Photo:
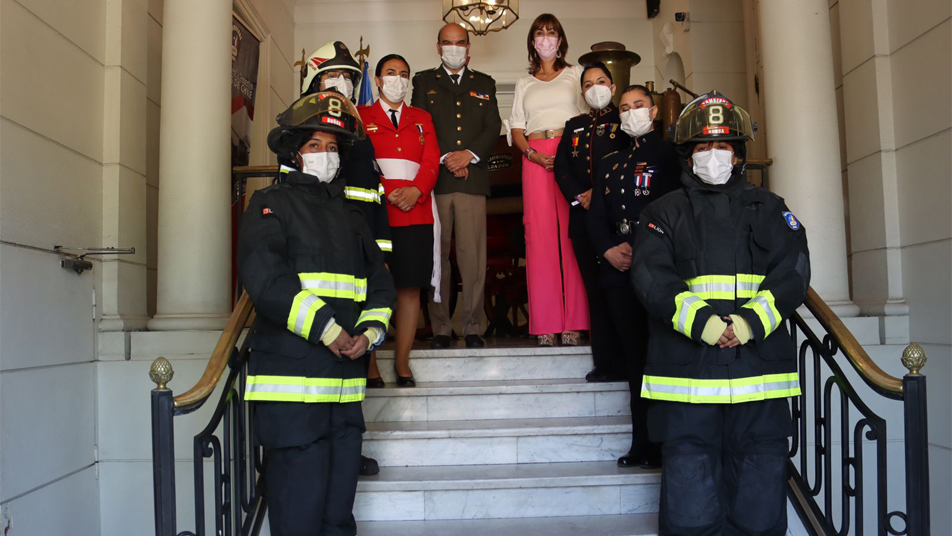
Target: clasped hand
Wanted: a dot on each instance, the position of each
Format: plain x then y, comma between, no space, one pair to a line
349,346
458,163
728,338
619,256
404,198
544,160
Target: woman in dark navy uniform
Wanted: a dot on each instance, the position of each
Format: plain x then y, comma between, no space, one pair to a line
585,140
625,182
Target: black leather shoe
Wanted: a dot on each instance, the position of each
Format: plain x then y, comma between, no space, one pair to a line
473,341
440,342
597,376
405,381
630,461
368,466
375,383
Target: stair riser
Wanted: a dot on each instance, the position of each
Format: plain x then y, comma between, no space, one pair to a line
497,450
496,406
506,503
531,367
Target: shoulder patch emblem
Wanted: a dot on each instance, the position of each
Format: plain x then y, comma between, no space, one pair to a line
266,211
792,222
656,229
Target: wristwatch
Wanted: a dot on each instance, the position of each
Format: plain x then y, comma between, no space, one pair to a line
528,151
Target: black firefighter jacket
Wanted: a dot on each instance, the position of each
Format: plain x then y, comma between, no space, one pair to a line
305,256
720,250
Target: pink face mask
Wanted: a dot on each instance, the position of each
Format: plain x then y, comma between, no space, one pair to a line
546,46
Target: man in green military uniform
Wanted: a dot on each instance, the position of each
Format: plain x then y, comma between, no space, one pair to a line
463,105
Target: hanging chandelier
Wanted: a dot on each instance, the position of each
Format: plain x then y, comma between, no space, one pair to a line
481,17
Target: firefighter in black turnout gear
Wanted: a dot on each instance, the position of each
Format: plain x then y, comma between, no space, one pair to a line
625,182
585,140
720,265
323,299
333,68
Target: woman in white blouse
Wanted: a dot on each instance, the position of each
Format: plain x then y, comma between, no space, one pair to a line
543,102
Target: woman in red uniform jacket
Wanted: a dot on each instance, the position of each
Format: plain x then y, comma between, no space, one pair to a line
409,157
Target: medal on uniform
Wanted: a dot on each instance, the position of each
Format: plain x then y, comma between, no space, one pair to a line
419,127
614,128
575,146
637,191
600,130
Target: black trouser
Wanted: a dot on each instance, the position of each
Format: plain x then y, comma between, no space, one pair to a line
629,317
606,353
310,488
724,467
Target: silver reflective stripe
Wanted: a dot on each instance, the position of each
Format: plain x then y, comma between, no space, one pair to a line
712,287
765,387
685,311
768,310
353,390
293,389
748,286
688,390
303,313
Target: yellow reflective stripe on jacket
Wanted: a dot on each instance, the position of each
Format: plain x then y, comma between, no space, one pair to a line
380,315
381,191
763,304
385,245
748,285
303,389
303,309
330,285
712,287
687,305
361,194
733,391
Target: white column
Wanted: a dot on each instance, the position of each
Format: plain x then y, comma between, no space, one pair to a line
194,255
803,135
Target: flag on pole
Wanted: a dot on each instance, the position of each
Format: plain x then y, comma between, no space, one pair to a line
366,96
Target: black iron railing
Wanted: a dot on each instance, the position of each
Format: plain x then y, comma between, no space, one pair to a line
840,482
227,441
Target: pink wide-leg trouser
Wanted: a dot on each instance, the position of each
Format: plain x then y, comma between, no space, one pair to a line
557,300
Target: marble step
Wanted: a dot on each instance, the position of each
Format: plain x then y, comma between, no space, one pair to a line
616,525
503,399
492,442
506,491
492,363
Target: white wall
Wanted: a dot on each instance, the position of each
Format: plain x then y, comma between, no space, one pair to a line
53,59
409,28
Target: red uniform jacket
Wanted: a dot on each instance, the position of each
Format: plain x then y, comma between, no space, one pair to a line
398,152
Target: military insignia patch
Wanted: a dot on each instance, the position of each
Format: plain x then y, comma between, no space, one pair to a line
792,222
371,127
656,229
481,96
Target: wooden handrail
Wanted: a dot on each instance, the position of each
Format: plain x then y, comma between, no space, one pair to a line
851,348
242,316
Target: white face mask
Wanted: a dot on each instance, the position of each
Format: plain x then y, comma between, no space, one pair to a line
713,166
547,46
453,56
636,121
342,84
395,88
598,96
324,165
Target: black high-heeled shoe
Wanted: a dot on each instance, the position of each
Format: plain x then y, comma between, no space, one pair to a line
375,383
405,381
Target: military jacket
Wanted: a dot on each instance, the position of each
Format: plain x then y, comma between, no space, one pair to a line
625,182
707,250
586,139
306,256
466,116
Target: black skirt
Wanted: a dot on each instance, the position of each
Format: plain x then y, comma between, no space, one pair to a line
411,262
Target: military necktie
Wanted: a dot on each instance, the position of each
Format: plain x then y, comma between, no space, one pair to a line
393,118
455,78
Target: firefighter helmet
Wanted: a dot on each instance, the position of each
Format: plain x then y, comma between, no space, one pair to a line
326,111
334,55
712,117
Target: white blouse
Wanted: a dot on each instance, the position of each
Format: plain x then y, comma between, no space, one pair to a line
539,105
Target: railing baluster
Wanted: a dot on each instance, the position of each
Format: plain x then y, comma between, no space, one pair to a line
163,448
917,443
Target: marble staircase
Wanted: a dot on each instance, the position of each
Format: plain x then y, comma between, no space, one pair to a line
502,440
